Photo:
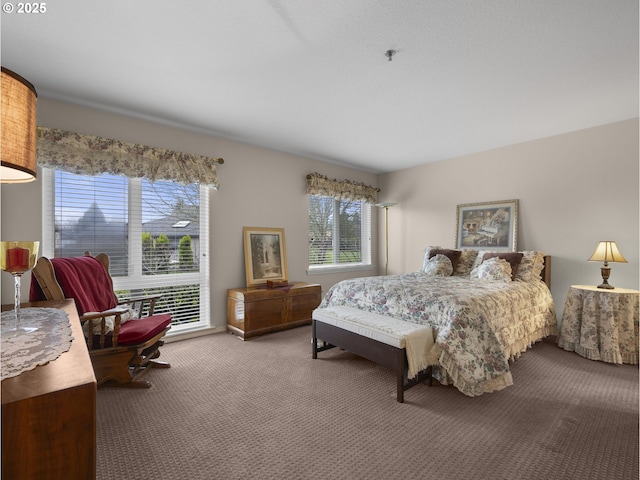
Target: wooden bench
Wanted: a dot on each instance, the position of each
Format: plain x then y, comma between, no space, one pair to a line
368,335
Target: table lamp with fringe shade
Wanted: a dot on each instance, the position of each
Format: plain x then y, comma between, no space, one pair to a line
606,251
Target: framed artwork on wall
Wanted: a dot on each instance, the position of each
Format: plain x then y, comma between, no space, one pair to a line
265,255
488,225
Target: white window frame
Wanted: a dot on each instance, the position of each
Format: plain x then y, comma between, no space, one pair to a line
365,245
135,279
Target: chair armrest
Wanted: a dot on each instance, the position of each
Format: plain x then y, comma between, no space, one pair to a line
138,303
108,313
91,317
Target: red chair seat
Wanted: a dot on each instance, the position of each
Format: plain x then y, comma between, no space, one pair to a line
134,332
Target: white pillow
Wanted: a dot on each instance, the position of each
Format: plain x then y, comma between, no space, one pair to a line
438,266
493,269
425,258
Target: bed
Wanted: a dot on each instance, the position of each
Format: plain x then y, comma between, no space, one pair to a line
485,309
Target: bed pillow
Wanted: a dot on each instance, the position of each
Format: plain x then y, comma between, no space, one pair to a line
453,255
439,266
494,269
531,266
466,263
480,257
427,255
514,258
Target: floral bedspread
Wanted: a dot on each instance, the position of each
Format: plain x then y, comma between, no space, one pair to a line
480,324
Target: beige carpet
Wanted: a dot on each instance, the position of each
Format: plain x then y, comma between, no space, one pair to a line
263,409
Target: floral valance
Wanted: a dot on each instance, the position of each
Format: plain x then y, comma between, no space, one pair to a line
341,189
90,155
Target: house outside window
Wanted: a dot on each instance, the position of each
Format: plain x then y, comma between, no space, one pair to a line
155,233
339,234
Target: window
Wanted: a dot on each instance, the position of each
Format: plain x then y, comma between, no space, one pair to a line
155,233
339,233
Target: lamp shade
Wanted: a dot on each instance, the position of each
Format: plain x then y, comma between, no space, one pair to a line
607,251
18,148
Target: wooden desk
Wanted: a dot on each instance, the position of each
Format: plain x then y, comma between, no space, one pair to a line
49,414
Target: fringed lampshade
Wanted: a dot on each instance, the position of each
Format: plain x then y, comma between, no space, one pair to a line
18,148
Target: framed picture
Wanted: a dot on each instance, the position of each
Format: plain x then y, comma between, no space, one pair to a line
488,226
265,255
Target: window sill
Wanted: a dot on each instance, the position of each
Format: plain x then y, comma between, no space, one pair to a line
329,269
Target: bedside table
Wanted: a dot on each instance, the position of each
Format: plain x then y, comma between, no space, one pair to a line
254,311
601,324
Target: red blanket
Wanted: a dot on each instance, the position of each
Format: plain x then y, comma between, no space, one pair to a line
85,280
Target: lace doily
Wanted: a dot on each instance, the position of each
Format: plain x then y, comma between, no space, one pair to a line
25,351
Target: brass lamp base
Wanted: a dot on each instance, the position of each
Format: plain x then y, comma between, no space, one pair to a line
605,271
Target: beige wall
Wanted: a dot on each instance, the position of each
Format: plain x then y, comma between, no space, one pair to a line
573,189
259,187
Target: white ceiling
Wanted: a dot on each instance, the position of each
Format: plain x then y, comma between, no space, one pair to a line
311,77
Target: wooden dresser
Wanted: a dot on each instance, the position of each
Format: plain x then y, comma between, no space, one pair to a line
49,414
254,311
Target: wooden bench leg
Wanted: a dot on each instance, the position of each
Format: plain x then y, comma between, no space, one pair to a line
400,394
314,341
422,376
401,360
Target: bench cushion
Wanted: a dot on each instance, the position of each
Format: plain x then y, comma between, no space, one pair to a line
416,339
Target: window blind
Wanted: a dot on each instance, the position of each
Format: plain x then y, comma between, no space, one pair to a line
339,232
155,233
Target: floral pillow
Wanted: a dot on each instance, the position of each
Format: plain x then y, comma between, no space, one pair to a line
427,256
514,259
531,266
494,269
466,263
439,266
459,258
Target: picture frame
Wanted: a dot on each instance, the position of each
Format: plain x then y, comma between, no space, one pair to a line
488,226
265,255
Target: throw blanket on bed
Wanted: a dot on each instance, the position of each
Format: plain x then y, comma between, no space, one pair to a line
480,325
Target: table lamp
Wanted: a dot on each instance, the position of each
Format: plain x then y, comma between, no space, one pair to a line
607,251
